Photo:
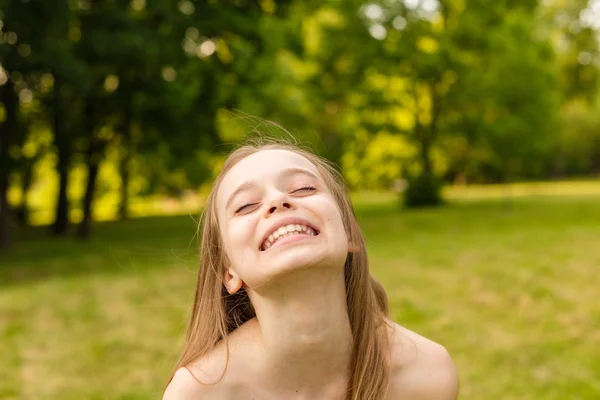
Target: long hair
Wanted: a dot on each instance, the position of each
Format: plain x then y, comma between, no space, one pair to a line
216,313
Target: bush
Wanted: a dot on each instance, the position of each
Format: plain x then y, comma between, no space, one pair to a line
423,190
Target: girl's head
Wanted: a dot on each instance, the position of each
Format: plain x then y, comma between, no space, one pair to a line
260,198
263,186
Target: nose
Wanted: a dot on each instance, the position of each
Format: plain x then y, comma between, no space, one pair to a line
283,206
278,203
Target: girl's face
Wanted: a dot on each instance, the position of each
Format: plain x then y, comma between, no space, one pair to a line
276,215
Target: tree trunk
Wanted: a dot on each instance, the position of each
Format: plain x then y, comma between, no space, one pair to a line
460,179
425,152
430,132
60,226
86,224
5,237
23,211
425,189
124,165
93,156
124,204
595,161
7,132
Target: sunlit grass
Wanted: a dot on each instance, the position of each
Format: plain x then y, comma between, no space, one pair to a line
509,287
524,189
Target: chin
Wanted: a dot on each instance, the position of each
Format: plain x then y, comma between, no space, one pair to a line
290,261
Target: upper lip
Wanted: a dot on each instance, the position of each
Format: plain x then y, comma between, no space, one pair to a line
283,222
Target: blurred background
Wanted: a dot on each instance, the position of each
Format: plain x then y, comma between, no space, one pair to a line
115,117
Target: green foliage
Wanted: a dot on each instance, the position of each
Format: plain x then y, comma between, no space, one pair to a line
520,121
377,163
460,90
578,147
573,28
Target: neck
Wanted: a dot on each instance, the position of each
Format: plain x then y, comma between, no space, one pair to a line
305,330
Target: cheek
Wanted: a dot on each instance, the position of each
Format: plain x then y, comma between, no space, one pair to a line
240,247
240,236
333,216
332,219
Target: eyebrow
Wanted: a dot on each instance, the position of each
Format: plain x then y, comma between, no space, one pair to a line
286,172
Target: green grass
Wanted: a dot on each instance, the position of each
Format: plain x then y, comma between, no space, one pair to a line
510,288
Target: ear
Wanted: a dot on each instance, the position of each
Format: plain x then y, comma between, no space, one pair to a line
353,247
232,282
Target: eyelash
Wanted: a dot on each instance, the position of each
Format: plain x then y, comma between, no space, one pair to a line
304,188
311,188
244,206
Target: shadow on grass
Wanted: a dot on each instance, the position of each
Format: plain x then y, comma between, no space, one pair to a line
115,247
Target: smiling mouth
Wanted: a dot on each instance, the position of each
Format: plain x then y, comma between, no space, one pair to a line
287,231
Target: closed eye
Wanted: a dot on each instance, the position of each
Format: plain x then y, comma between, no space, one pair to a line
306,188
303,188
245,206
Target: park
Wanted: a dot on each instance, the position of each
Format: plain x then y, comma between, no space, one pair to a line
468,135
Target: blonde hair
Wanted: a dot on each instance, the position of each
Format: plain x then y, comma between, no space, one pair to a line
216,313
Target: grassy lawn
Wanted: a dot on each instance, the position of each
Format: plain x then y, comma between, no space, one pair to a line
510,288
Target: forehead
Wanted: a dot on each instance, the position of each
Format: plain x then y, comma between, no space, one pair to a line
262,165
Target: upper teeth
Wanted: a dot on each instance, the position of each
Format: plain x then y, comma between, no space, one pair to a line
285,231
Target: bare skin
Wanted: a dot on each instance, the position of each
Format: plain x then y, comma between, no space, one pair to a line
421,369
299,344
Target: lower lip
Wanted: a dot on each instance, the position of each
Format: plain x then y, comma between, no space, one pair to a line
290,239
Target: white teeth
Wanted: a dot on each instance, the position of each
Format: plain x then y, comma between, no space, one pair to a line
285,231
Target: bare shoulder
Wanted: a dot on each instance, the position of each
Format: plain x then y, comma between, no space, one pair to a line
215,375
184,386
421,368
201,379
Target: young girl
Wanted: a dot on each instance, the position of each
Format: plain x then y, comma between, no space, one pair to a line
285,307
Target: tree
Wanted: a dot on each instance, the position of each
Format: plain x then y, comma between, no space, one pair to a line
21,65
437,70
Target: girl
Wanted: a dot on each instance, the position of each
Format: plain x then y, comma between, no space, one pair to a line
285,307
